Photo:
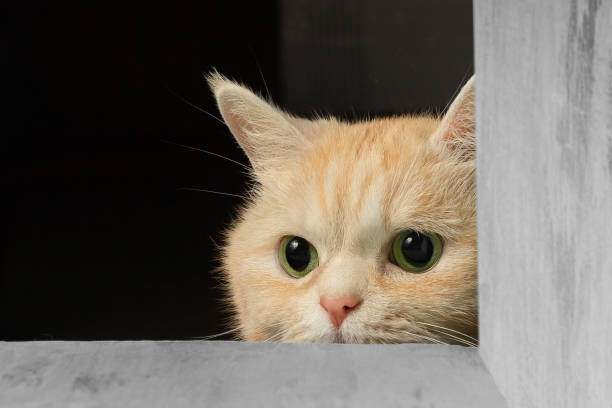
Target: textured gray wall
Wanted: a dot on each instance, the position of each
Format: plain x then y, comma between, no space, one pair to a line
544,127
229,374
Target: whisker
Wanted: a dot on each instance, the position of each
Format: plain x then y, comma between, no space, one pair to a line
461,83
260,72
425,337
193,105
275,324
201,190
459,339
454,331
197,149
281,329
212,336
276,336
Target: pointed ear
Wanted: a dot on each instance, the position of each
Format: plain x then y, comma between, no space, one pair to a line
456,131
264,132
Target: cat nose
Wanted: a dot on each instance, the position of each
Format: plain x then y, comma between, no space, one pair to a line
339,308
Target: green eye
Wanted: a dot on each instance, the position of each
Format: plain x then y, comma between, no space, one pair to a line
415,251
297,256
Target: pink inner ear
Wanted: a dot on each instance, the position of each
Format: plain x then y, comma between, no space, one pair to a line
457,128
456,131
461,123
238,126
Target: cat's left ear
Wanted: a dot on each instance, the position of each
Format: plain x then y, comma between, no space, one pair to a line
456,131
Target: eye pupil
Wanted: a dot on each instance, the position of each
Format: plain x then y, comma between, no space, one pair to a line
417,248
297,256
297,253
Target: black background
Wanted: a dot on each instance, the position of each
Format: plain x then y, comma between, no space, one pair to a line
98,242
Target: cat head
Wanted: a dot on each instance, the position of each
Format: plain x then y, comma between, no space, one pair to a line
353,232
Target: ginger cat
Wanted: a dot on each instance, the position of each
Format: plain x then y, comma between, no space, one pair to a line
353,232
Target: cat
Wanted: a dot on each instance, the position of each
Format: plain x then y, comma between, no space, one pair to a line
358,232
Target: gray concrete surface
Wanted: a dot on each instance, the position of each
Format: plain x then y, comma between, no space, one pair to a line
544,131
232,374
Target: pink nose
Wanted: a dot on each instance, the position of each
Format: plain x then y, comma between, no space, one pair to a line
339,308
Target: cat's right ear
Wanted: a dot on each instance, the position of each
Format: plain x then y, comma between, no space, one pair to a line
456,131
263,131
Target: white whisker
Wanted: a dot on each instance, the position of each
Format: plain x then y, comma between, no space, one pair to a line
193,105
275,336
425,337
451,330
197,149
201,190
260,72
454,95
212,336
459,339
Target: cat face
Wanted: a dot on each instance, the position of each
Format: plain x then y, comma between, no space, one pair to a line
361,232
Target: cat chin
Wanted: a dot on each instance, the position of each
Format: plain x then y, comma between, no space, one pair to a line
343,337
333,336
338,338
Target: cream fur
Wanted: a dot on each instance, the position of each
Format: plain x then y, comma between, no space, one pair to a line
349,188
